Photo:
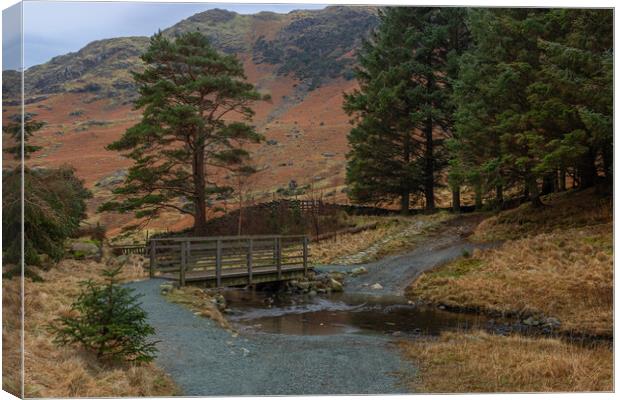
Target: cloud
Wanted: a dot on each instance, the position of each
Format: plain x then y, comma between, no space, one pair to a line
11,37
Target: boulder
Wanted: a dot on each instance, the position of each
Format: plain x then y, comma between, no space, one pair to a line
303,285
46,261
165,288
552,322
359,271
122,259
376,286
85,250
219,301
531,321
335,286
339,276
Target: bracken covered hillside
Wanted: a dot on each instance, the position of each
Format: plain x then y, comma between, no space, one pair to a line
303,60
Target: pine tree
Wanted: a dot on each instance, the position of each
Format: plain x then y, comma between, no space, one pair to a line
498,138
14,130
107,319
574,97
195,101
536,90
403,105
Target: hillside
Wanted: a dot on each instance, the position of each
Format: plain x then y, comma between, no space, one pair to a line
302,59
309,45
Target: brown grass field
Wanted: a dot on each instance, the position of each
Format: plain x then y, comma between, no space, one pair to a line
52,371
557,261
565,272
478,362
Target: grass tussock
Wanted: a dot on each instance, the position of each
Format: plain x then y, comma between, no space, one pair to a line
199,302
479,362
566,210
52,371
566,273
392,235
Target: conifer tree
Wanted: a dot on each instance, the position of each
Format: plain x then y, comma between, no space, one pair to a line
14,130
535,90
195,104
498,138
402,110
574,98
107,319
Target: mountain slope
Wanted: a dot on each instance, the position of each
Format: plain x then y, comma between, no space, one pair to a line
315,45
303,59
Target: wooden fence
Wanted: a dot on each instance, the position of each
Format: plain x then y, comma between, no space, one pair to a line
220,258
129,249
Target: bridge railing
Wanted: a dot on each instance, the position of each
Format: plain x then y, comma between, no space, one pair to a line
243,255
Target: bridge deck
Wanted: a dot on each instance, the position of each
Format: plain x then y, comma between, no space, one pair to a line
239,276
229,261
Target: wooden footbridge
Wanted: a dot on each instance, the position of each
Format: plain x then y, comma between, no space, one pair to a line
229,260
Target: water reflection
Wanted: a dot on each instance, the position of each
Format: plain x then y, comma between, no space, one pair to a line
340,313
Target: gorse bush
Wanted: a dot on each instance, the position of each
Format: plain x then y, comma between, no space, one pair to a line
107,319
54,205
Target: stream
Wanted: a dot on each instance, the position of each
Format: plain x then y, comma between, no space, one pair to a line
337,313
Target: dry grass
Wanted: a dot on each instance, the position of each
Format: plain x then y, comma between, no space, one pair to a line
199,302
392,235
52,371
566,273
562,211
326,251
479,362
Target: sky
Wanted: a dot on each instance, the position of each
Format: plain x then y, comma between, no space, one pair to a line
53,28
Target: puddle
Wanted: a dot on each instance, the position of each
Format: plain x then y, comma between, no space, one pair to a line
340,313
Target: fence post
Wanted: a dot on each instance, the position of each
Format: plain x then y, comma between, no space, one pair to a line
152,260
279,256
183,264
218,263
250,261
188,248
305,251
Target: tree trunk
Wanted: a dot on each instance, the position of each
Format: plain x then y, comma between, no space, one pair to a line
429,170
499,196
478,193
548,184
456,199
200,201
588,171
562,180
608,161
429,173
404,197
404,202
534,192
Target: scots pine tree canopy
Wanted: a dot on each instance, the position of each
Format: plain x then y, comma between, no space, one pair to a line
196,106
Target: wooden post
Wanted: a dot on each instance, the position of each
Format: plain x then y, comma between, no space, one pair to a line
279,256
250,261
183,265
188,247
152,260
218,263
305,251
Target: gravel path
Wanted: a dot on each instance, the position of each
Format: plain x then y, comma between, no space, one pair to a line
395,273
206,360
